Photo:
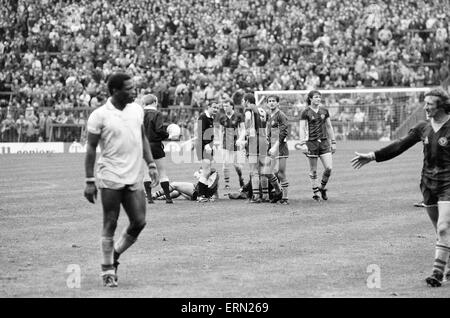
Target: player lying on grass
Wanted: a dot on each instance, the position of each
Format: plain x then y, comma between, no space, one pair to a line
435,183
189,190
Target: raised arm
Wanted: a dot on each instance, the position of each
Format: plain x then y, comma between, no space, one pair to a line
390,151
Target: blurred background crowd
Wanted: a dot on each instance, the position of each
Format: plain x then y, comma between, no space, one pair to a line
55,55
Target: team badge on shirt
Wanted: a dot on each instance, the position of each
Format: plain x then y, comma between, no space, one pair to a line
443,141
322,116
425,141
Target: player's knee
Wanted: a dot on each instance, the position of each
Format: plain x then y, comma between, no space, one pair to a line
443,231
327,171
110,223
136,227
313,174
281,175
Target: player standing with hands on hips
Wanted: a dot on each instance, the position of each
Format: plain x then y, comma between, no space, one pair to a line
435,183
118,127
317,141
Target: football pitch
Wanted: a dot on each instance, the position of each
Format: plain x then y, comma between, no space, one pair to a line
367,240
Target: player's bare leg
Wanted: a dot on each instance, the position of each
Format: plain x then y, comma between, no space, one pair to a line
134,206
327,162
442,245
313,177
238,169
111,207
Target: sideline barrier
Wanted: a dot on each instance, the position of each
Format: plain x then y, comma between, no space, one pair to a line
31,147
7,148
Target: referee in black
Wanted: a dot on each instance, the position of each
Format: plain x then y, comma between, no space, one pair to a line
155,132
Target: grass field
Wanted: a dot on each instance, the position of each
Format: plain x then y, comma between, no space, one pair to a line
226,248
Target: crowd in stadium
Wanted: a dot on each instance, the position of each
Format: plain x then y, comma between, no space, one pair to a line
55,55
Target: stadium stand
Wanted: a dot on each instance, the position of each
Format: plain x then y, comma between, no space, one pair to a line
55,55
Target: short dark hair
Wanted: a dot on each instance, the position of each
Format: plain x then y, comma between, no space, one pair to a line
116,80
276,97
249,97
228,100
311,95
444,99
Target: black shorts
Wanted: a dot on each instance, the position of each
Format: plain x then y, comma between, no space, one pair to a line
283,151
202,154
433,192
157,149
316,148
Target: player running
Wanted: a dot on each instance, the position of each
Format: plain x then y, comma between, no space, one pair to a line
316,134
435,183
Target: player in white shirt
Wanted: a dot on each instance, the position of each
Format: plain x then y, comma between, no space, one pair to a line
117,127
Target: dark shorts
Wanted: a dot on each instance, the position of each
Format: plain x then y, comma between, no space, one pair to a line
157,149
201,153
283,151
433,192
194,195
316,148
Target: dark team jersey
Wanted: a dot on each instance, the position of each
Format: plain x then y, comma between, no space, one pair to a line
153,126
277,128
230,129
316,122
256,132
205,130
436,150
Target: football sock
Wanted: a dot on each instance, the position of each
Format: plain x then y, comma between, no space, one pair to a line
264,187
313,179
158,194
325,177
148,188
316,191
441,257
274,182
255,186
124,242
107,250
285,186
226,175
166,188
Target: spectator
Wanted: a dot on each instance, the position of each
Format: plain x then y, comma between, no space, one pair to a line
358,119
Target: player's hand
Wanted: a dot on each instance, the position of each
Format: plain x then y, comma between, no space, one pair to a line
240,143
362,159
208,149
272,152
304,149
90,192
154,176
333,148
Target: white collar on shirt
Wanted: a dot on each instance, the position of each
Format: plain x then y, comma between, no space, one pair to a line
146,107
232,113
